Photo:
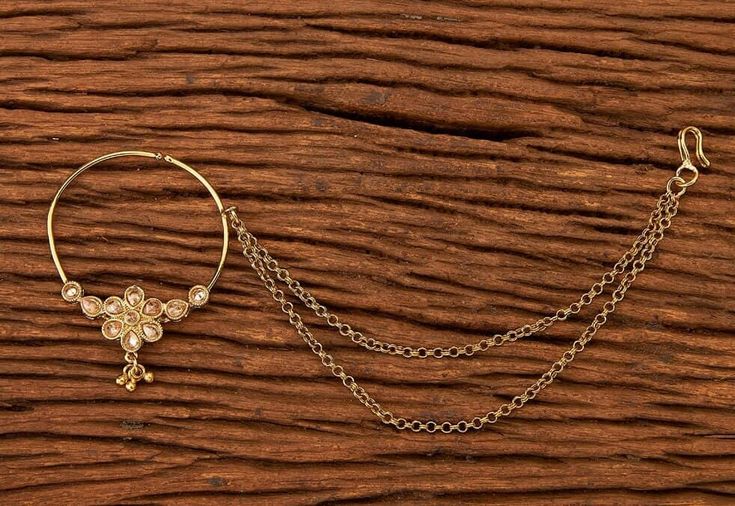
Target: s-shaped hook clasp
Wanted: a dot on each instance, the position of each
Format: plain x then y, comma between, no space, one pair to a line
686,159
684,151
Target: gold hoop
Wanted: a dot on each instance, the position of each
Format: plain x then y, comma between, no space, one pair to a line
134,319
144,154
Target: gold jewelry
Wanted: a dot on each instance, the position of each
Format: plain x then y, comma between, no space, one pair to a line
626,269
134,319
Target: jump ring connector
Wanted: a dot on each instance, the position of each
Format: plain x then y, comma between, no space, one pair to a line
679,182
230,210
693,170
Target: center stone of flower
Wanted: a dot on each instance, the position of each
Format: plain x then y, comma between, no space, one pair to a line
131,317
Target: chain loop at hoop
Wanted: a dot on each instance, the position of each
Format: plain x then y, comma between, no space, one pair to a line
143,154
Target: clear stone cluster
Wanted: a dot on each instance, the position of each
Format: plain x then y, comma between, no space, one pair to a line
133,319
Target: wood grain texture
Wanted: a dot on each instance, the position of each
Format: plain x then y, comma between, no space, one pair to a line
434,172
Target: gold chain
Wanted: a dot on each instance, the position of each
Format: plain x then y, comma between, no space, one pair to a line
458,350
629,266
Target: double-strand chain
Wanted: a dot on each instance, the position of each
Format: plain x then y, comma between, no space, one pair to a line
627,268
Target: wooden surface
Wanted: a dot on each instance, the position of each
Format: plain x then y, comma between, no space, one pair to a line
434,172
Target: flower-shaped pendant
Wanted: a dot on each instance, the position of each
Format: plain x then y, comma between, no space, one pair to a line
133,320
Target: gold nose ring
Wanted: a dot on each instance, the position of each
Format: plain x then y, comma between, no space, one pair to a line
134,319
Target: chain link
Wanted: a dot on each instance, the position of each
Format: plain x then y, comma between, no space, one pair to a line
633,261
455,351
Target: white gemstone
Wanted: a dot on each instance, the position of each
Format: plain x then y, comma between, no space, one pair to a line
151,332
134,295
113,305
111,329
176,309
130,341
91,306
71,291
152,307
131,317
198,295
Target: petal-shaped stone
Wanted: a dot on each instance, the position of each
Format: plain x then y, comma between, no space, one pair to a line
111,329
131,318
114,306
91,306
198,295
134,295
153,308
176,309
152,331
71,291
131,342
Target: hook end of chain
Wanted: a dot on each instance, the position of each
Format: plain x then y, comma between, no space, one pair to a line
699,147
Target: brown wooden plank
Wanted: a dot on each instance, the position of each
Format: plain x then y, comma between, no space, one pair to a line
435,172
